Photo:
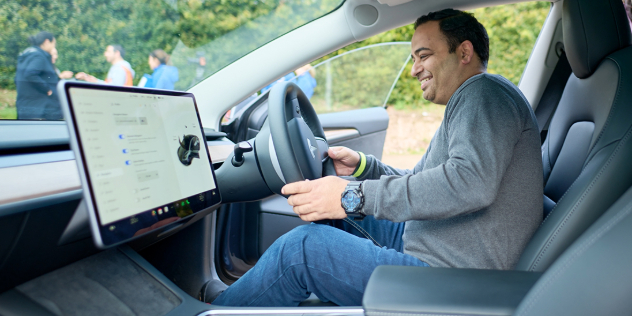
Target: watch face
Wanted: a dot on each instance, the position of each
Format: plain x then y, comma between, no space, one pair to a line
350,201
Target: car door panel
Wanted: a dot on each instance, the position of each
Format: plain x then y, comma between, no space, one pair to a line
362,130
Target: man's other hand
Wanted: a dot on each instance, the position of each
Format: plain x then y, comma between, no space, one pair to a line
86,77
345,160
317,199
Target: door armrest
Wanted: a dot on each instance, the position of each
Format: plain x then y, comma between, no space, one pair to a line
425,290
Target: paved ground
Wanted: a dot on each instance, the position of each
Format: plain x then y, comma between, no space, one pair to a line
409,133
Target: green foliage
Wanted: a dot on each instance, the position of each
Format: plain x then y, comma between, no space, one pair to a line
82,32
512,30
222,30
223,37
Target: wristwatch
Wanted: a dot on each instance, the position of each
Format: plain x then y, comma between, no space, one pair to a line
352,200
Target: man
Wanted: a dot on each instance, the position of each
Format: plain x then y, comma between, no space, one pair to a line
473,201
120,73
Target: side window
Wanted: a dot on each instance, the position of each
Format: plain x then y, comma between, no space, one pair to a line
512,31
356,79
351,79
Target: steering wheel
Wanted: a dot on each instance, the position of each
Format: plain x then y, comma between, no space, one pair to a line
292,145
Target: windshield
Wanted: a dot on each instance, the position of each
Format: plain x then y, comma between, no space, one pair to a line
167,44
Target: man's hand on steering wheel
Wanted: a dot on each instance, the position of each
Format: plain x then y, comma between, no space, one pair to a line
345,160
317,199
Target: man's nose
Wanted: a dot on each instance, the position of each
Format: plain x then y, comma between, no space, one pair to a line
416,69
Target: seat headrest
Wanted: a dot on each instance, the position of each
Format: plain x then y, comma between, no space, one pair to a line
593,29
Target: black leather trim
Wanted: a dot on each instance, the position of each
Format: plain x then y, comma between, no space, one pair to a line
593,29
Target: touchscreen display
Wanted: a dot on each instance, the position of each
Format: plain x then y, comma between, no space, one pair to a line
144,154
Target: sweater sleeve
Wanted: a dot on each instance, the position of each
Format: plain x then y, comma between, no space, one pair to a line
375,168
482,129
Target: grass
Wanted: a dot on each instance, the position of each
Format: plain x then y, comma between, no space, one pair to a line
7,104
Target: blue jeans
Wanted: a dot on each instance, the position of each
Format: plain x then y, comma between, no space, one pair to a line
331,262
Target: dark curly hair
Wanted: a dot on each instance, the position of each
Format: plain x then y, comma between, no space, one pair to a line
459,26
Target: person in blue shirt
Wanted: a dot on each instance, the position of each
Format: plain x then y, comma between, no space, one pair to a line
304,79
164,76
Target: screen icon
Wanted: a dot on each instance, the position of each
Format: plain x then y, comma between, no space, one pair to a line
166,209
159,211
153,213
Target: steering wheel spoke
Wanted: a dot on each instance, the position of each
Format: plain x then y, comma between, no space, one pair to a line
323,148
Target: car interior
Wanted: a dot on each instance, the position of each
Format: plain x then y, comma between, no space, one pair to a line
575,263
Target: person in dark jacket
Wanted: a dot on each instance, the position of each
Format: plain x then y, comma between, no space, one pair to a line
36,79
164,76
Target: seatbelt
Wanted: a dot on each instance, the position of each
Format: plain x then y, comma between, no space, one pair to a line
552,94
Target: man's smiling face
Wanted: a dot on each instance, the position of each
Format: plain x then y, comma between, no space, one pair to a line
434,66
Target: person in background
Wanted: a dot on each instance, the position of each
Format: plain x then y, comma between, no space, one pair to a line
66,74
304,80
164,76
36,79
200,67
120,73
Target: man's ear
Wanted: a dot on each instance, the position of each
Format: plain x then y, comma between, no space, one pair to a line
465,52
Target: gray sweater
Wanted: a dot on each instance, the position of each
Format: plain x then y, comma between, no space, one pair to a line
475,198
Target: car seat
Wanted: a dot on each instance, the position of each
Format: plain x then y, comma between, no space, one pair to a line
588,148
